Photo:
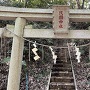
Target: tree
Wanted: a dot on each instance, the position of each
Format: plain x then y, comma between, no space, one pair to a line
33,3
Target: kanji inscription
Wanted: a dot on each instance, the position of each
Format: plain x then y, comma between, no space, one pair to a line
60,19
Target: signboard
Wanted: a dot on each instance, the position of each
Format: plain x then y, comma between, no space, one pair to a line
60,19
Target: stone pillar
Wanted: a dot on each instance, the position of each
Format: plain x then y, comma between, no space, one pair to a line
16,55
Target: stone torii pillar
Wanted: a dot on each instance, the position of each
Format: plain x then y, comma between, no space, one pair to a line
16,55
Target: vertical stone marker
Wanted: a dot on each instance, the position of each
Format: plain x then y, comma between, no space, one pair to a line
60,19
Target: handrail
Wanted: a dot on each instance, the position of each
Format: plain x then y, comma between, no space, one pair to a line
47,88
72,68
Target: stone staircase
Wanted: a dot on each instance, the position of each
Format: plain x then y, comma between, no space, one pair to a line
61,75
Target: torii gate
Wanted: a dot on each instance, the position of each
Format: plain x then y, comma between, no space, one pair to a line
60,17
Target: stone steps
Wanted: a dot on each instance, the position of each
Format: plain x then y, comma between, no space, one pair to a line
62,86
61,69
62,79
61,75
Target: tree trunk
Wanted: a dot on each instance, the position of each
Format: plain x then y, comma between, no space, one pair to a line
78,4
83,4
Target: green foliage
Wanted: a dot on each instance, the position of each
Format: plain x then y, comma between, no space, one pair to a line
33,3
24,63
17,4
45,3
13,3
7,60
59,2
